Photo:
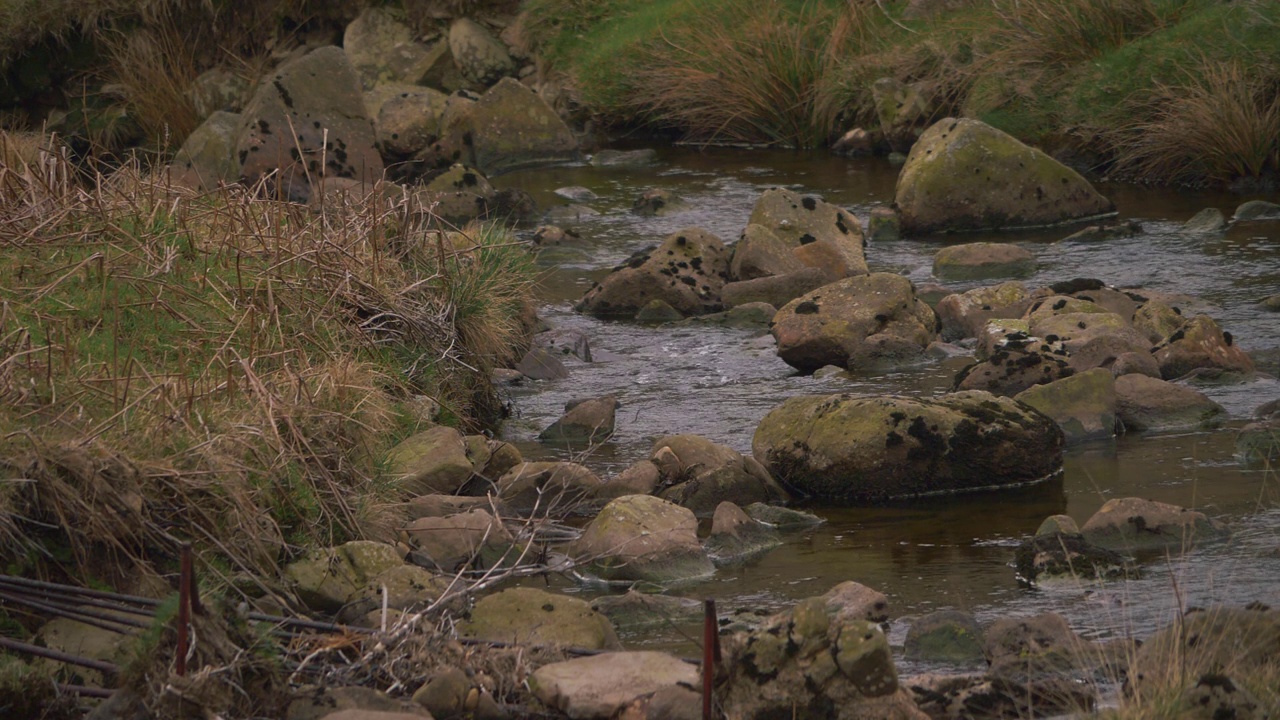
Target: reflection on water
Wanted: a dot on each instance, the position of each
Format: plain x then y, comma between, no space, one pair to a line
940,553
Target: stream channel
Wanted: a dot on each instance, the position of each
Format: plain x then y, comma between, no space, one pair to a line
940,553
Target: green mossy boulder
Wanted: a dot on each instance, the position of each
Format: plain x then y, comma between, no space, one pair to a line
432,461
687,271
1083,405
207,157
529,615
641,538
979,261
511,128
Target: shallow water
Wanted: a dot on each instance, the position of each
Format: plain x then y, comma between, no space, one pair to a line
943,553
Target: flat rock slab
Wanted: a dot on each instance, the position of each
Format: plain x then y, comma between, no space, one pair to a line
598,686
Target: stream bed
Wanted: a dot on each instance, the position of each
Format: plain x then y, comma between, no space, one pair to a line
925,555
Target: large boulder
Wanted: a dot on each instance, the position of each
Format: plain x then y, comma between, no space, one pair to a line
381,48
406,118
760,253
643,538
546,487
1217,641
702,474
687,272
598,687
511,128
775,290
965,175
1083,405
460,541
481,57
819,233
1145,403
303,130
1200,343
432,461
859,321
1135,524
529,615
1014,362
207,157
824,658
852,449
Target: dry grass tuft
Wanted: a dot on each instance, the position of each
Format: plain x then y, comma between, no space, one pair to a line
1221,125
154,66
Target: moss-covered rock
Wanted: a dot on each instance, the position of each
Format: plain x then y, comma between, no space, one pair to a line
542,486
1150,404
1201,343
819,233
949,636
704,474
432,461
207,157
326,578
511,127
760,253
481,57
382,49
472,539
964,315
584,422
868,449
858,322
976,261
965,175
601,685
529,615
643,538
406,118
1083,405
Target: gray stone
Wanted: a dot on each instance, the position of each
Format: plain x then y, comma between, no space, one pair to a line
1256,210
777,290
1149,404
686,271
547,487
949,636
469,540
657,202
432,461
1135,524
643,538
1083,405
218,89
539,364
481,57
736,537
624,158
512,128
584,422
596,688
760,253
1207,221
703,474
974,261
207,158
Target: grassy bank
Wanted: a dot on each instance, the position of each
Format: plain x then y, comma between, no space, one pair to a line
223,369
1177,91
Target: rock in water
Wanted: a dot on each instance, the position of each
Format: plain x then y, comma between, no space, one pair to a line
306,129
687,271
965,175
644,538
511,128
860,450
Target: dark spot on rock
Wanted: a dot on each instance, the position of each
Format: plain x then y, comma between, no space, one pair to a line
264,127
808,307
986,307
1081,325
317,124
882,318
1227,337
682,264
244,155
1060,304
549,607
682,241
806,238
470,179
1177,310
844,229
1036,306
809,203
689,281
1051,338
284,94
1086,297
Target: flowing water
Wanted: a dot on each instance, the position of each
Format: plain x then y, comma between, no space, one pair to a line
952,552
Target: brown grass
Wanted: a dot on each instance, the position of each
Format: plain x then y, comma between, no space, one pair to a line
1222,124
155,66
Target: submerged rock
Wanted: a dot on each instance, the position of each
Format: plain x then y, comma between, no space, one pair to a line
584,422
703,474
1068,556
949,636
1208,220
852,449
736,537
965,175
1083,405
1256,210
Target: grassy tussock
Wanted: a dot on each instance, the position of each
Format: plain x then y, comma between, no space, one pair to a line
155,67
220,368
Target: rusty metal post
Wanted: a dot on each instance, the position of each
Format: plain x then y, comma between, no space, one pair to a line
710,654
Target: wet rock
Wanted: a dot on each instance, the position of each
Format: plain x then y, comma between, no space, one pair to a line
857,322
624,158
540,364
507,376
902,110
974,261
635,609
545,487
576,193
584,422
432,461
870,449
822,658
207,158
1083,405
296,130
702,474
440,506
1057,524
658,311
1215,696
552,236
1149,404
566,214
1106,231
820,234
321,702
784,519
981,697
1134,524
529,615
598,687
736,537
949,636
218,89
1015,362
658,201
565,342
1056,555
640,478
1024,648
513,128
406,118
748,316
668,703
687,271
855,143
481,57
777,290
326,578
1106,350
965,175
473,539
1271,304
965,314
1200,343
1207,221
884,225
1140,363
643,538
1259,442
759,253
1256,210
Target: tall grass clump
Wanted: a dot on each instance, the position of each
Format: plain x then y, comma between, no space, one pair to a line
1220,125
155,66
223,369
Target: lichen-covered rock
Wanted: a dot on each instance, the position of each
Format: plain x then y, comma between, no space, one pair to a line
584,422
759,253
965,175
1157,321
703,474
1150,404
964,315
1026,647
902,111
542,486
1050,556
639,478
382,49
473,539
481,57
598,687
406,118
950,636
822,659
511,128
736,537
643,538
984,697
857,322
1083,405
775,290
869,449
432,461
302,130
687,271
974,261
1212,640
1200,343
801,221
218,89
529,615
1135,524
1014,362
207,157
401,588
326,578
